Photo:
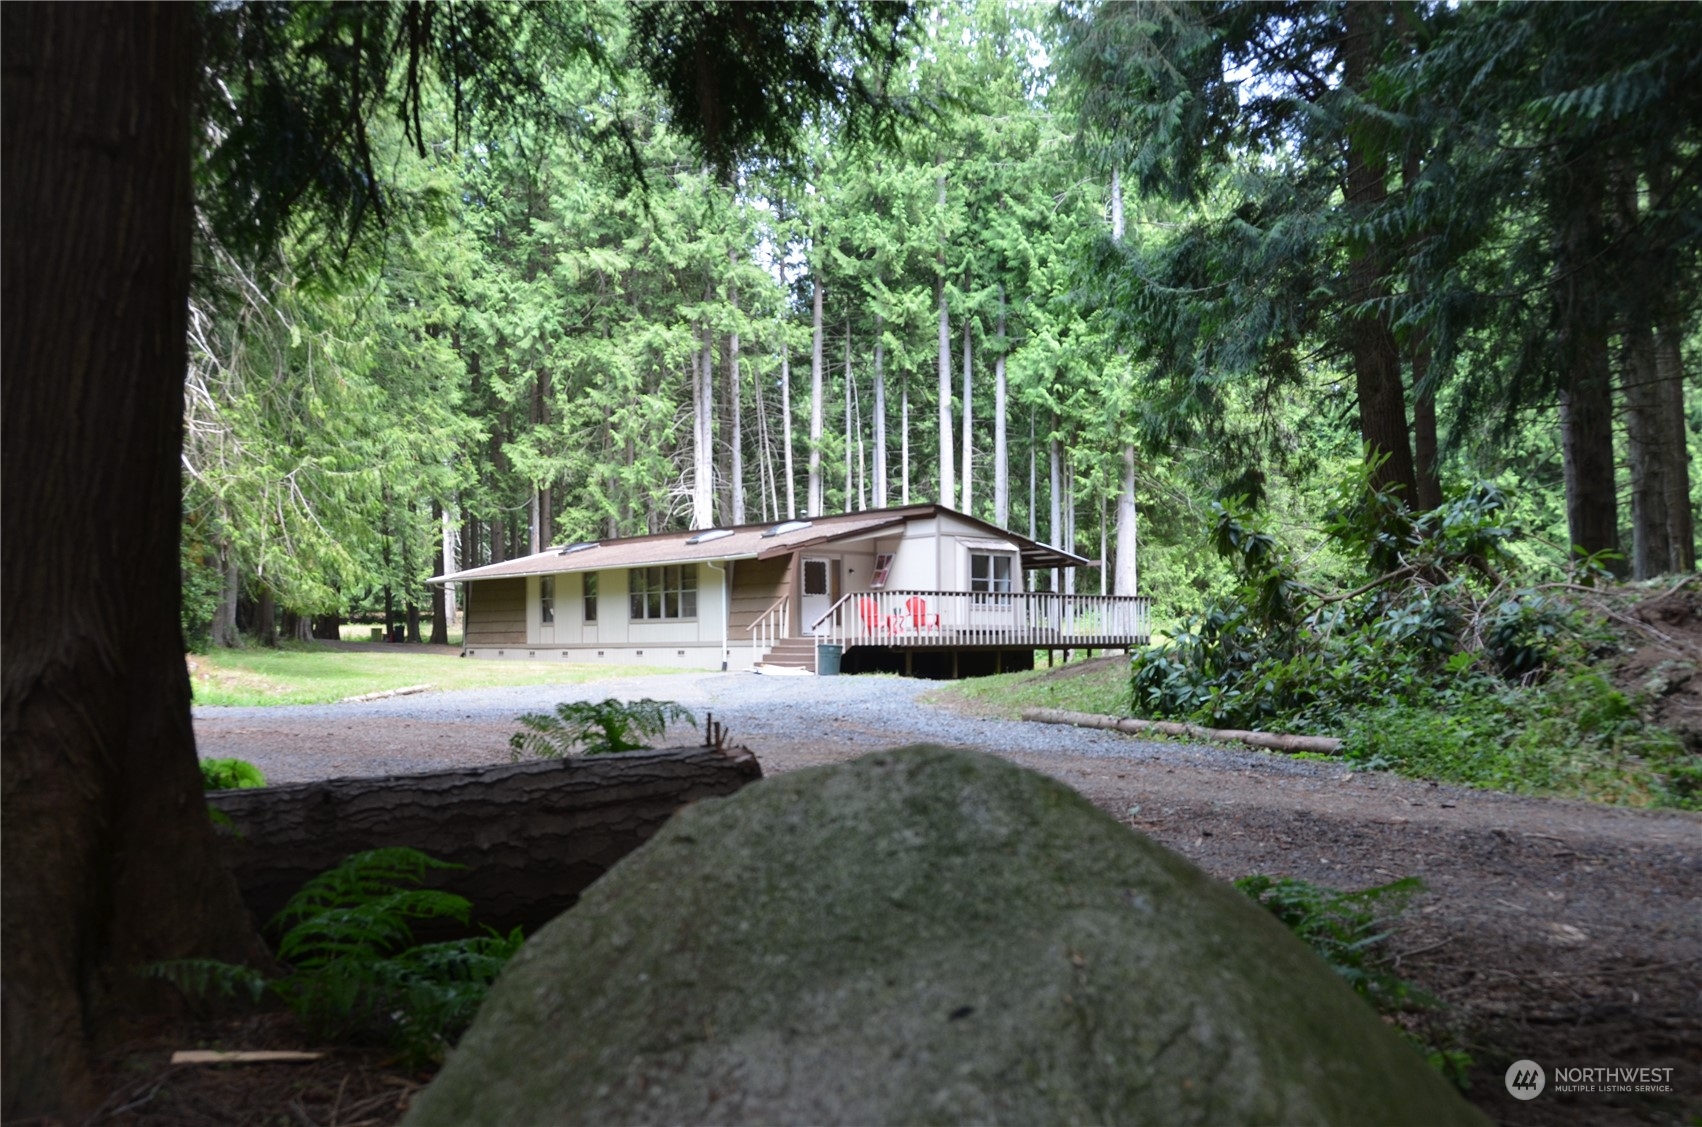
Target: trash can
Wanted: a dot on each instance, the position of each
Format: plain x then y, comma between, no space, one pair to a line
399,635
827,659
378,633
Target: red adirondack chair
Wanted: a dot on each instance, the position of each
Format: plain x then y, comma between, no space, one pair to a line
870,612
917,607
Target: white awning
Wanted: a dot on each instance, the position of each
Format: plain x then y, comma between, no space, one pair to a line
987,545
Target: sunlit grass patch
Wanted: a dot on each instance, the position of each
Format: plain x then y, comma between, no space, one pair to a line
321,675
1099,686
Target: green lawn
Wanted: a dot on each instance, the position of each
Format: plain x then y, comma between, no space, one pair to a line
320,675
1098,686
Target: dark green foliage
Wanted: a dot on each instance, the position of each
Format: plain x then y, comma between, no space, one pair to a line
202,586
1435,664
1349,931
1346,929
595,727
230,774
354,970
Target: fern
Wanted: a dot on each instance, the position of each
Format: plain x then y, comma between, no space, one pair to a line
597,727
354,967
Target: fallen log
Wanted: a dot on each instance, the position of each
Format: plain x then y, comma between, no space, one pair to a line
532,835
1277,741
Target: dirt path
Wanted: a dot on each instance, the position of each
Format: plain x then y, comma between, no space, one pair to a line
1561,932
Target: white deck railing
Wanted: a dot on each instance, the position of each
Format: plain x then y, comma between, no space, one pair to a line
963,618
774,624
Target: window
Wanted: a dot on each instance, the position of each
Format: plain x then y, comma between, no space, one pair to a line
883,568
815,577
989,577
590,596
663,592
547,600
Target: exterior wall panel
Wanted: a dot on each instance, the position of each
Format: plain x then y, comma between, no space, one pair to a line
496,613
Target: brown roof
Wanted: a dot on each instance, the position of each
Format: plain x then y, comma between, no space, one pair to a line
746,541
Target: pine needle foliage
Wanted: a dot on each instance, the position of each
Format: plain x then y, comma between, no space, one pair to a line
595,727
354,971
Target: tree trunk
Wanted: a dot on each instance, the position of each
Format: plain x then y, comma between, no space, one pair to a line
109,859
1376,356
1427,471
879,421
266,620
532,835
1640,386
1586,399
815,497
948,488
786,428
1001,451
735,392
968,421
224,632
1055,529
703,434
904,440
439,598
1124,575
1069,502
1675,449
850,420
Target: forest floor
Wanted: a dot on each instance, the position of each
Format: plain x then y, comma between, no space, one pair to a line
1562,932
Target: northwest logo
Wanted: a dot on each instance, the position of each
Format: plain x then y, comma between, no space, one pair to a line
1525,1080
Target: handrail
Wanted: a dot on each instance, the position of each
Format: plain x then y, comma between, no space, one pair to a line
772,625
913,618
832,610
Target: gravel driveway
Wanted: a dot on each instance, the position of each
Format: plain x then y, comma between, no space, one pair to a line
1565,932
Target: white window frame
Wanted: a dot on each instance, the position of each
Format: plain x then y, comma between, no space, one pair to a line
652,592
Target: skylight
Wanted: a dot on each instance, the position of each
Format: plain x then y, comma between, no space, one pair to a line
580,547
788,526
707,535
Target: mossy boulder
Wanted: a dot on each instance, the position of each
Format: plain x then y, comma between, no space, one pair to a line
922,935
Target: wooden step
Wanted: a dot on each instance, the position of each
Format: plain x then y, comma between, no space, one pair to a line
793,653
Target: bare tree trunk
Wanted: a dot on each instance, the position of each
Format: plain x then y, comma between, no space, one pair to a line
224,632
786,429
735,391
947,488
1586,399
968,422
109,861
815,498
1675,450
582,813
703,433
1056,528
439,595
880,414
1069,520
1001,452
850,420
1127,542
767,498
1651,548
904,439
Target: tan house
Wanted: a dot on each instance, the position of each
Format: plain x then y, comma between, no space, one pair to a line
922,590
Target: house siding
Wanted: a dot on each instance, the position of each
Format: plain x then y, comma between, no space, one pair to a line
496,613
757,584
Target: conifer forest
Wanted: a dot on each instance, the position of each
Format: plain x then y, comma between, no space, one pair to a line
1093,269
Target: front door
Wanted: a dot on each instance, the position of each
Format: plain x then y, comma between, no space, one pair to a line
817,594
